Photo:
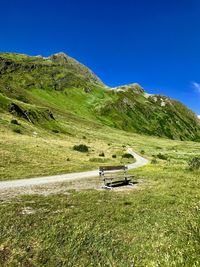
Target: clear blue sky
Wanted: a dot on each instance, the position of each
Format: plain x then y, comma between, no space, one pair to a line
153,42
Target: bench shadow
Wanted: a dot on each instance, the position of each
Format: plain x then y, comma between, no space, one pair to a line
121,183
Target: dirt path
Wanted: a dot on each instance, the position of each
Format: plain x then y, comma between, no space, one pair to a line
140,161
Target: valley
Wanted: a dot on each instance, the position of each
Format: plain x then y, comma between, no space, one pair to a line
53,108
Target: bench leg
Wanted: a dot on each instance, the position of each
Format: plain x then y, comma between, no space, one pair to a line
107,187
128,182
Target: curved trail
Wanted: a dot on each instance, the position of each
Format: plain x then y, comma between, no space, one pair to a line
140,161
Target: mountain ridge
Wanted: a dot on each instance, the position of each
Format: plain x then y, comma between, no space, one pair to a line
59,84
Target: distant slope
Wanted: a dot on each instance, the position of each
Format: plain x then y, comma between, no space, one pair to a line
135,110
50,91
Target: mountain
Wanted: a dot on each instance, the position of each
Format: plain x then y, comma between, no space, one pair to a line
48,92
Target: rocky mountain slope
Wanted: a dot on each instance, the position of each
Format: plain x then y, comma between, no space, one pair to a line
48,92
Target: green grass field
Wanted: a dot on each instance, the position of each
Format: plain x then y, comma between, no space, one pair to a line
155,224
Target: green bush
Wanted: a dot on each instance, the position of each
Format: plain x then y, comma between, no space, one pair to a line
17,130
102,154
114,156
14,122
81,148
194,164
154,161
142,152
127,156
161,156
55,131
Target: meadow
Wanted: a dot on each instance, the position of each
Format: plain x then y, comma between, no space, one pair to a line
156,223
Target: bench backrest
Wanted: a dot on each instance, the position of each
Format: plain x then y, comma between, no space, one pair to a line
112,168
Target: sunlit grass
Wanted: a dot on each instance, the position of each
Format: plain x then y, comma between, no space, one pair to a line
155,224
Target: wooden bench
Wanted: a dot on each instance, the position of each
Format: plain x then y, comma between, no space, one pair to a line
114,176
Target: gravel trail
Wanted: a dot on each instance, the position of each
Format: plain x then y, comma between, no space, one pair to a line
140,161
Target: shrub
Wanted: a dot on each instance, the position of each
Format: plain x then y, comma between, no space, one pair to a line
14,122
81,148
102,154
194,163
55,131
84,137
17,130
142,152
127,156
68,159
154,161
114,156
161,156
158,147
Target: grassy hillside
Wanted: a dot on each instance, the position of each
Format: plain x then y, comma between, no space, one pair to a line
50,91
134,110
